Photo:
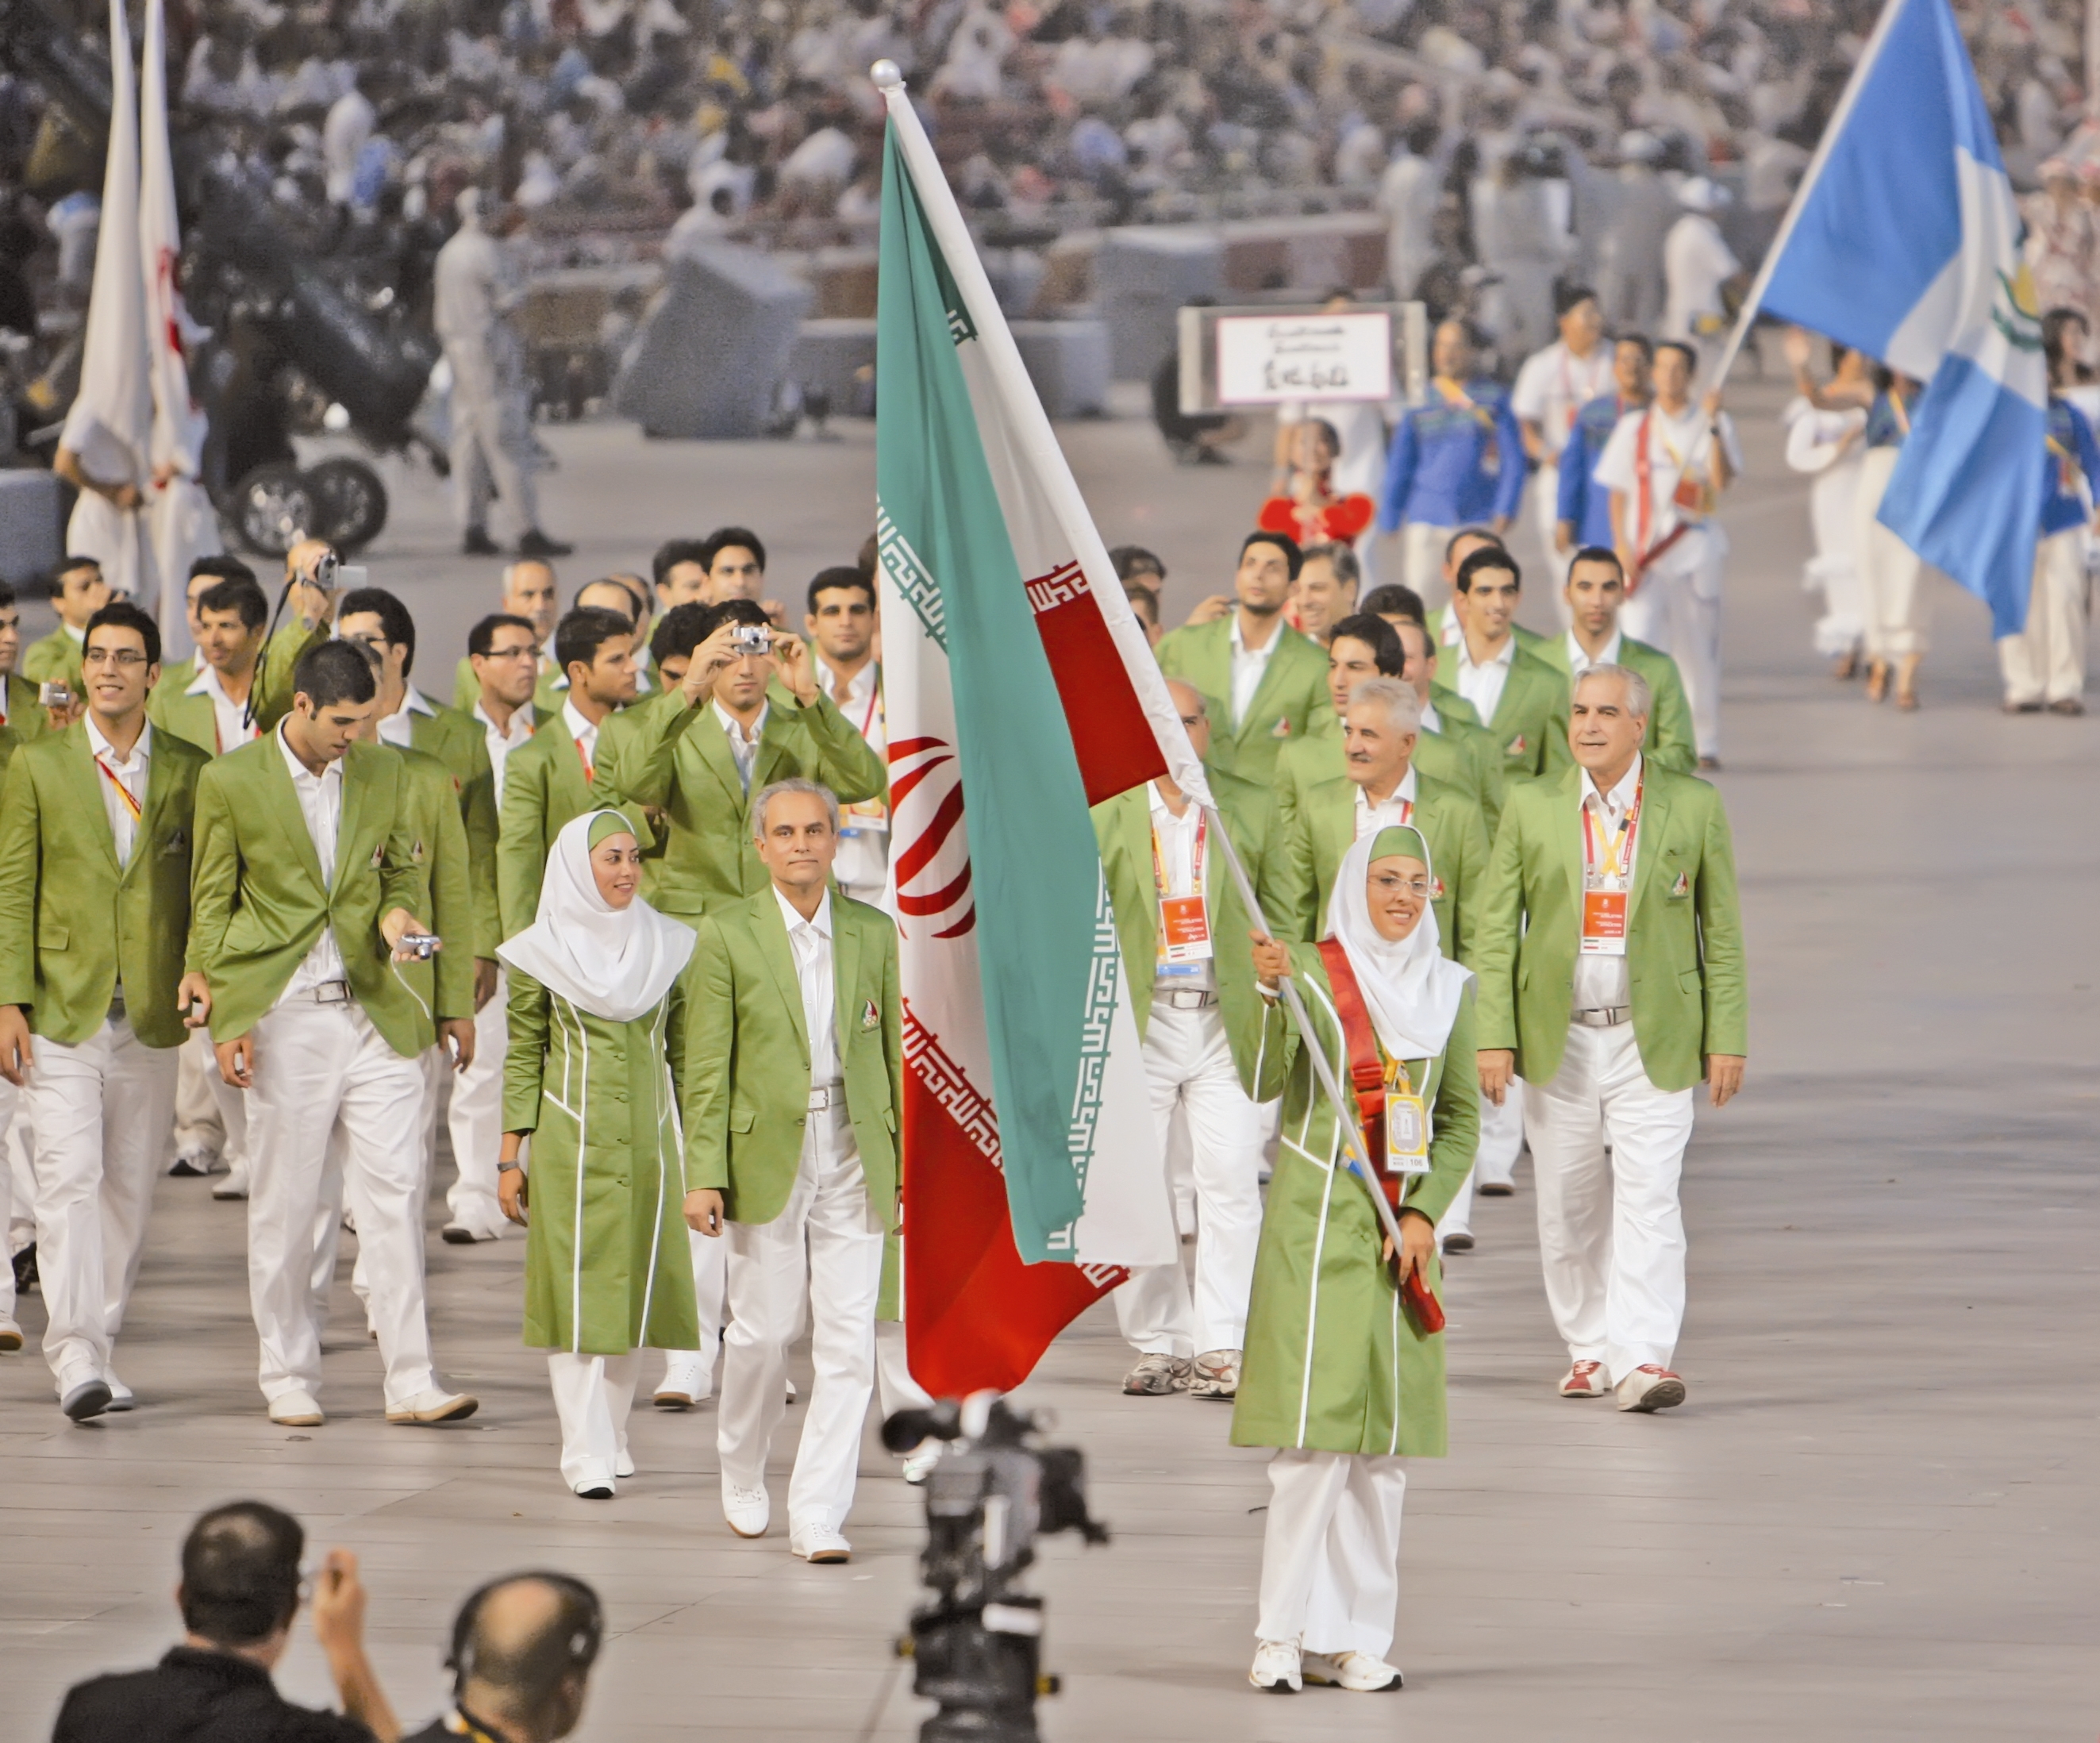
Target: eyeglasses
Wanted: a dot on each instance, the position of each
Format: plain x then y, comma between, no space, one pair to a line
1392,883
529,652
112,656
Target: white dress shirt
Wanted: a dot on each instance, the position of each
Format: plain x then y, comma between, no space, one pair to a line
399,728
744,750
1248,665
1579,662
230,720
584,734
320,804
864,826
1432,721
501,743
1398,807
1554,385
1482,685
1601,982
811,941
131,772
1675,445
1176,836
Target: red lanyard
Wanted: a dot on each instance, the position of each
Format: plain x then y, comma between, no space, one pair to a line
583,757
131,804
1616,855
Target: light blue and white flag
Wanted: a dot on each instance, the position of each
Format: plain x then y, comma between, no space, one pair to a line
1904,242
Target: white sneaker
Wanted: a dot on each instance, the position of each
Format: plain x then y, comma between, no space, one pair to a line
624,1465
120,1395
919,1462
194,1160
1649,1387
820,1543
593,1486
791,1393
1276,1667
748,1511
295,1409
1356,1671
685,1382
434,1406
11,1334
234,1185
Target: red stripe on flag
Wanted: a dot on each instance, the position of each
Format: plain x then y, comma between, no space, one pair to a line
1111,732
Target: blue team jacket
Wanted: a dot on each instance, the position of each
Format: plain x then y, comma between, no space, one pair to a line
1585,504
1437,473
2072,456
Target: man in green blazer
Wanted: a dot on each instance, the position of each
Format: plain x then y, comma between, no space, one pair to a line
1519,699
310,878
1446,628
1268,680
205,573
96,827
793,1090
1596,589
696,753
1612,977
21,712
77,594
548,782
531,592
210,706
1200,1019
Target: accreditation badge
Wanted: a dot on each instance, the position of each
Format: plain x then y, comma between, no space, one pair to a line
1603,922
1185,931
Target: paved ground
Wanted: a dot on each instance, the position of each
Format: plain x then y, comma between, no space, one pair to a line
1874,1518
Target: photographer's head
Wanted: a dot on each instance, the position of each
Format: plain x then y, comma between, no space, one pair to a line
119,660
334,693
240,1581
739,685
312,564
523,1650
79,592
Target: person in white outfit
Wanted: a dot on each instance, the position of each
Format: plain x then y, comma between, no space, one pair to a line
1897,607
1697,265
1825,426
1629,252
2044,665
1666,466
1551,389
1407,195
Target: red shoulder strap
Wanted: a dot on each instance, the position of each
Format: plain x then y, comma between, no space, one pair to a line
1366,1073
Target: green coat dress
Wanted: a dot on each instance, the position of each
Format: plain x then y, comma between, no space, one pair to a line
1333,1361
608,1266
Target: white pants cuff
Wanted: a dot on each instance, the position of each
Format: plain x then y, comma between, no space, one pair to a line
592,1397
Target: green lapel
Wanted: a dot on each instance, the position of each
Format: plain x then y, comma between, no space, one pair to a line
285,801
353,814
1211,660
780,960
1332,822
160,781
845,975
86,781
1655,815
710,739
772,749
1451,706
1568,843
1273,675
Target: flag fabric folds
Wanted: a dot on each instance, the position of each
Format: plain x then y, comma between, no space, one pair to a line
1018,689
1904,242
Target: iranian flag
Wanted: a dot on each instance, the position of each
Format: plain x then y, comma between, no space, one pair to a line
1019,690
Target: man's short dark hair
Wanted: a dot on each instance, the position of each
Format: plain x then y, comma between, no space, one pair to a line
1598,553
672,551
587,629
1490,558
1131,561
839,579
394,622
1143,600
241,1562
481,639
1388,653
1567,296
528,1669
236,593
120,614
334,673
736,611
723,538
72,566
1393,600
6,596
1487,533
1292,555
225,565
683,627
607,581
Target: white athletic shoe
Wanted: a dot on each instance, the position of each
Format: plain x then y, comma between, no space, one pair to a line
1358,1672
685,1382
748,1511
919,1462
295,1409
121,1396
820,1543
234,1185
435,1406
11,1334
1277,1670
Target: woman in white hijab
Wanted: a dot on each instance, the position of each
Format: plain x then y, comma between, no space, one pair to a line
595,1017
1342,1376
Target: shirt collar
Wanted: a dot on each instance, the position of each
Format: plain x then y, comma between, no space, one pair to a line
820,923
1239,647
1577,660
1404,790
1507,655
300,772
413,701
78,635
520,723
736,733
1620,795
1432,721
578,727
101,747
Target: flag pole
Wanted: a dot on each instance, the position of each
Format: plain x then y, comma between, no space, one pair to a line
1823,146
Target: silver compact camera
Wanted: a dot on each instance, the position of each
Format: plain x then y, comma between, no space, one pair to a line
54,696
422,946
752,639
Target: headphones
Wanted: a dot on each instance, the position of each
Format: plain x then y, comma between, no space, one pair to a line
580,1650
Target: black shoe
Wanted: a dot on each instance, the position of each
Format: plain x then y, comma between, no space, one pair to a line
90,1398
477,543
1457,1244
26,1281
536,544
1496,1189
453,1235
194,1168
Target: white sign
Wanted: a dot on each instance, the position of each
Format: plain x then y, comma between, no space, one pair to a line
1265,359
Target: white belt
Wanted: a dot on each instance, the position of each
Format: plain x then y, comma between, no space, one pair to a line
1184,998
830,1096
1604,1016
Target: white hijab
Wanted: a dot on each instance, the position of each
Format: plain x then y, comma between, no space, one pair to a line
1411,988
614,963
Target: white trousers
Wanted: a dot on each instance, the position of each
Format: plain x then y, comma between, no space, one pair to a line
1892,602
100,1115
710,1256
821,1254
1611,1233
198,1128
9,1102
593,1396
895,1387
1494,1158
1678,609
316,1065
491,441
1421,557
1188,1070
1331,1550
1545,516
475,1120
2046,662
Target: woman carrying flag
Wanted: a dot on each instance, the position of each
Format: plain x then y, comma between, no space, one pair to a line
1343,1369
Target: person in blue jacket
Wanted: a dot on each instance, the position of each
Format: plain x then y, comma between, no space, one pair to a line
2043,666
1457,459
1585,513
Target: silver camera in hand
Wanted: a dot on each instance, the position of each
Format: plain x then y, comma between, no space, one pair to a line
422,946
752,639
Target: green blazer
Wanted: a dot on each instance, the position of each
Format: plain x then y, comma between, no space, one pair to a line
54,658
259,897
1684,930
661,757
430,798
1669,742
192,719
745,1086
73,921
547,694
544,788
1293,691
1455,753
25,715
457,741
1316,826
1123,828
1531,715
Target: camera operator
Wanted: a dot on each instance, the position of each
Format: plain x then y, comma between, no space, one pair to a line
523,1650
239,1593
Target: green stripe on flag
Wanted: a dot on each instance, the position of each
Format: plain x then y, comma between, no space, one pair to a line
1035,866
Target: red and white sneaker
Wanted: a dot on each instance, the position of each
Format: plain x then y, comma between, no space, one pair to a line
1651,1387
1586,1380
